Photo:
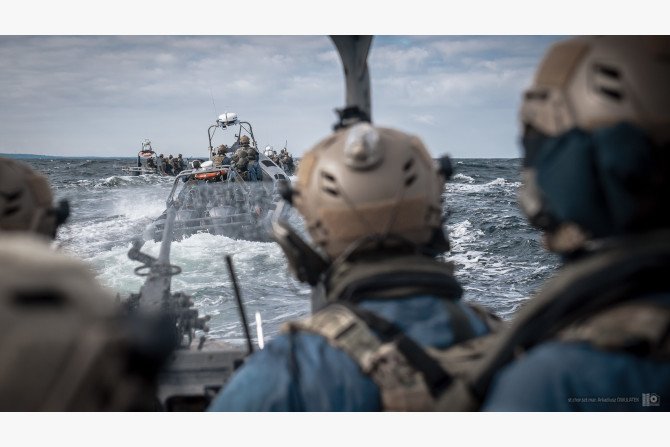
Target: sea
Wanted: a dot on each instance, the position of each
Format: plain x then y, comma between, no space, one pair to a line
498,256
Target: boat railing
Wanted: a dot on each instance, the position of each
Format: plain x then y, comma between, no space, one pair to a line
139,169
185,175
207,224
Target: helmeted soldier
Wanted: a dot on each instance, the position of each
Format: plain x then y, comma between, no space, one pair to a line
596,181
63,345
178,164
289,165
168,167
151,163
386,308
26,201
219,155
242,158
252,164
160,164
174,164
226,158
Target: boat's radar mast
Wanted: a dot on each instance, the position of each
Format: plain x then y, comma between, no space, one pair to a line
227,119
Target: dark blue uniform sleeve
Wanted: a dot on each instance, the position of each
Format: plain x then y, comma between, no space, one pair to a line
298,372
576,377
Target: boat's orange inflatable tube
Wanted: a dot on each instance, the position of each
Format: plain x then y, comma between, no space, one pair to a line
209,175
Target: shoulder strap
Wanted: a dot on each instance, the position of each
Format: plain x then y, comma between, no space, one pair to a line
436,378
408,378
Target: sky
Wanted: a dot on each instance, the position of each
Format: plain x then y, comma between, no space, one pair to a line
99,82
102,95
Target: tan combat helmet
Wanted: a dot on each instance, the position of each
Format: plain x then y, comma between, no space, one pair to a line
60,348
589,83
366,182
593,82
26,200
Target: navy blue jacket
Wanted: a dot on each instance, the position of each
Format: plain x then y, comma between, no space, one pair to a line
304,372
561,376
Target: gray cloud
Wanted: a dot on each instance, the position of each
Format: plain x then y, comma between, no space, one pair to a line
101,95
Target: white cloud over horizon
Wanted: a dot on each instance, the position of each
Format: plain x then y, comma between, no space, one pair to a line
102,95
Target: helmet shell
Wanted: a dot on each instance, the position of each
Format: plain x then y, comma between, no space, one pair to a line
594,82
366,181
25,198
58,350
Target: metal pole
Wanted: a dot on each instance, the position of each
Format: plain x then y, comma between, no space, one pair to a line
164,254
353,52
240,306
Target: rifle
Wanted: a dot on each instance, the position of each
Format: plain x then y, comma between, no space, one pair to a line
193,375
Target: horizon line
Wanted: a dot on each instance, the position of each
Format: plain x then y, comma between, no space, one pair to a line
29,155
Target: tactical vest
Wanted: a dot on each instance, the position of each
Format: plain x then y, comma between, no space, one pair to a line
409,377
605,300
242,159
596,300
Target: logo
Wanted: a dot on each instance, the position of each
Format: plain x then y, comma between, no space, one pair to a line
650,400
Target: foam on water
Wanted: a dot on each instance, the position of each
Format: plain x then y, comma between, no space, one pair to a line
499,184
463,178
497,256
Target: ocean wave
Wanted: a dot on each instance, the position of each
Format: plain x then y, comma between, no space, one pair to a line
115,180
497,255
462,232
127,180
463,177
497,184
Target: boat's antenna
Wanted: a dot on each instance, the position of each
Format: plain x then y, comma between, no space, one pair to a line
240,306
216,114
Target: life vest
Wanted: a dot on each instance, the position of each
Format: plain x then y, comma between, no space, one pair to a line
409,377
604,300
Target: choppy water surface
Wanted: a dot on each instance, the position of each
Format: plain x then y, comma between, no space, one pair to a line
498,256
